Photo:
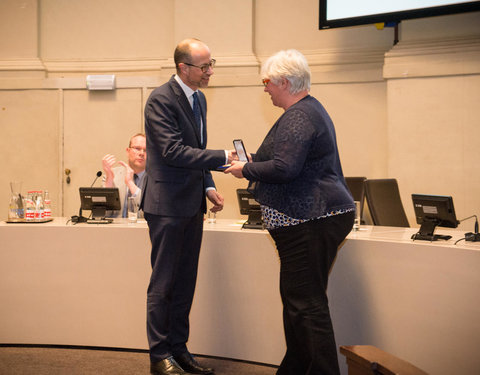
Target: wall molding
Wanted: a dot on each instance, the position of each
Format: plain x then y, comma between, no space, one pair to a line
80,67
428,58
25,67
327,66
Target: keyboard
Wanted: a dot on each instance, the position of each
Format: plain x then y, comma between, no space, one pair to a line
426,237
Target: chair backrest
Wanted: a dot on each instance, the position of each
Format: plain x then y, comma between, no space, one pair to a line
370,360
357,188
384,202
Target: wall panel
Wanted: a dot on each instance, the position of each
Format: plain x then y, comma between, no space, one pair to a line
96,123
433,140
31,138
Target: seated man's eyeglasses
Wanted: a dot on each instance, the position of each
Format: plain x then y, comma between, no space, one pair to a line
204,67
138,150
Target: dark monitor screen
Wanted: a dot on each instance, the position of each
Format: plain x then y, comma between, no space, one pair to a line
249,206
432,211
99,200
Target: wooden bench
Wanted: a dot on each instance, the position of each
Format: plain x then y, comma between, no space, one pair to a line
370,360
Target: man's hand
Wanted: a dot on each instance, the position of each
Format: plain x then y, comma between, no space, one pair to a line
129,172
232,155
217,200
108,162
129,177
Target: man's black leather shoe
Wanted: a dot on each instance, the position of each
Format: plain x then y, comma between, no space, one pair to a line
188,363
167,367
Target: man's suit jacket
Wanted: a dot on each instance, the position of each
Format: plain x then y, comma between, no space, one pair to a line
177,164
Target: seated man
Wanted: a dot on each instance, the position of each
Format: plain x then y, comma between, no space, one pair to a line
128,178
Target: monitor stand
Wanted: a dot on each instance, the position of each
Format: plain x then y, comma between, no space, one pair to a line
254,221
98,216
426,230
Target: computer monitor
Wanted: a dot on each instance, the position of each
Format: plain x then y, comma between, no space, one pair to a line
249,206
432,211
99,200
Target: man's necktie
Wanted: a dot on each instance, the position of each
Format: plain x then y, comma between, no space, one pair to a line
196,110
135,181
129,194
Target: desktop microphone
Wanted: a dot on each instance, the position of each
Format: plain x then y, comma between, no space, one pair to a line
80,219
472,237
99,173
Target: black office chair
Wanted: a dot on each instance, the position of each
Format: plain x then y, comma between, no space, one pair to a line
357,188
384,202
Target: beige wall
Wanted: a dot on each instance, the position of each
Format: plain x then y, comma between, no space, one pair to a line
19,29
408,111
108,29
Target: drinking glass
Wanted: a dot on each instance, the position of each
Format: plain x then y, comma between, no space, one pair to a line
16,209
132,210
356,222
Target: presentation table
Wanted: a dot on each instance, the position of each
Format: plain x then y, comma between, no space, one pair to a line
85,284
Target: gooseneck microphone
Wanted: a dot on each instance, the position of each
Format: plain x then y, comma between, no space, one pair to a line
473,237
99,173
80,218
476,222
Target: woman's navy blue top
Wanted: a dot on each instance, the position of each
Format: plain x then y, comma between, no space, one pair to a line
297,168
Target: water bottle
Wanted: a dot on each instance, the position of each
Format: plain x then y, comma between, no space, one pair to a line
39,208
30,207
47,205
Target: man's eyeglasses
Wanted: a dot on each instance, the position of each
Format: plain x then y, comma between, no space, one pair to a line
204,67
138,150
265,82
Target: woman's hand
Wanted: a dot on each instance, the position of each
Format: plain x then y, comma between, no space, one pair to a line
236,168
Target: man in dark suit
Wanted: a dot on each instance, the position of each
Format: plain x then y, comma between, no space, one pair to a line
179,180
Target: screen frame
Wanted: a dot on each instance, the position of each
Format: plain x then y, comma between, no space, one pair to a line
253,211
393,17
110,202
444,218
